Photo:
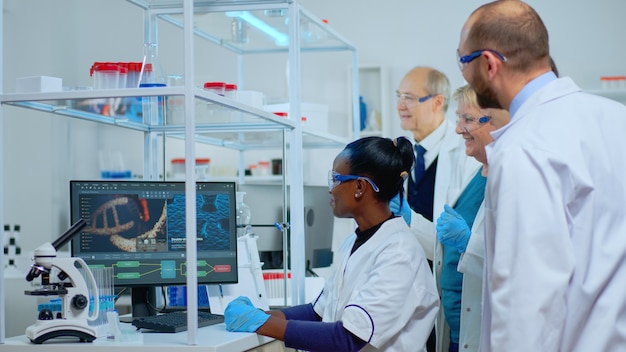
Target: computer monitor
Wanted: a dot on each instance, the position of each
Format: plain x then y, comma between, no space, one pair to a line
138,228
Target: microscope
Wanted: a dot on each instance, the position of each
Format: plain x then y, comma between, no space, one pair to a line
73,319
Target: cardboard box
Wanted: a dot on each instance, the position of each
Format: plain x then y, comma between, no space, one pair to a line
38,84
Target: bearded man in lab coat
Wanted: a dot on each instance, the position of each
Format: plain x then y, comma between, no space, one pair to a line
554,204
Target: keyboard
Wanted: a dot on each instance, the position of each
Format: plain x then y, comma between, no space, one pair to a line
175,321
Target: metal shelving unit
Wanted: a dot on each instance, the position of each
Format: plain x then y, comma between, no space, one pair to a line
249,128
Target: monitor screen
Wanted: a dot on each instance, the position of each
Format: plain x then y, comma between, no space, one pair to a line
138,228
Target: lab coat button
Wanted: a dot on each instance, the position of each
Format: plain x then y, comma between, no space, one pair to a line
465,346
438,263
469,309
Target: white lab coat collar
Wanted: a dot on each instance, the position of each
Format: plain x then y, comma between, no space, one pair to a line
555,89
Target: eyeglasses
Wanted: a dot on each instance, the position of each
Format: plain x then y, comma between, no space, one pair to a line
463,61
411,100
334,179
469,120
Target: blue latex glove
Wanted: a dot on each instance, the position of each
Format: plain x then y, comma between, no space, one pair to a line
452,229
241,316
397,209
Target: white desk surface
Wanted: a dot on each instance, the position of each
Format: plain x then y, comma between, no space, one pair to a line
212,338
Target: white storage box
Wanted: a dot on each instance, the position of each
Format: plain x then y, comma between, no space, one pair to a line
250,97
38,84
316,115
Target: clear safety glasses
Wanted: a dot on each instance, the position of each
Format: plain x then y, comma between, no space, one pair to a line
410,100
464,60
469,123
334,179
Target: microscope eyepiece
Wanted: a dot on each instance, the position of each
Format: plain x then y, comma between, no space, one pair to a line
34,272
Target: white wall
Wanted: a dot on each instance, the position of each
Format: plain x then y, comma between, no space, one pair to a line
63,39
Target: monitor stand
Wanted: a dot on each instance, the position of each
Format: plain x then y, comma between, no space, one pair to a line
143,300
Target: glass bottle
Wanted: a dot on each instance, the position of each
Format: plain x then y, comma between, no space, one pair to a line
239,31
151,76
243,215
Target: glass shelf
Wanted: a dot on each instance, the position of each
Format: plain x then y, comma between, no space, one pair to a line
223,113
213,21
221,122
200,4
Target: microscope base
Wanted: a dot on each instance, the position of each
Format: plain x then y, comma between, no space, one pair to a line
45,330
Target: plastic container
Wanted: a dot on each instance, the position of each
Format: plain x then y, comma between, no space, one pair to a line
277,166
134,69
263,168
613,82
106,75
230,90
303,119
239,31
250,97
123,75
316,114
218,88
202,168
254,170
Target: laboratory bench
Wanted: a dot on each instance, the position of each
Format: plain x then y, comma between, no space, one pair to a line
212,338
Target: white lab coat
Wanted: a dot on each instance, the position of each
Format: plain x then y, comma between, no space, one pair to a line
471,265
383,293
455,170
556,226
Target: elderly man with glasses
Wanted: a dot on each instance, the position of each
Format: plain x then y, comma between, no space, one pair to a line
442,169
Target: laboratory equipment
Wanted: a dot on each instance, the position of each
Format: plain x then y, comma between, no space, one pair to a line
38,84
151,76
239,31
106,293
250,278
362,113
243,215
266,203
175,321
215,87
277,166
202,168
74,315
230,90
264,167
106,75
139,229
